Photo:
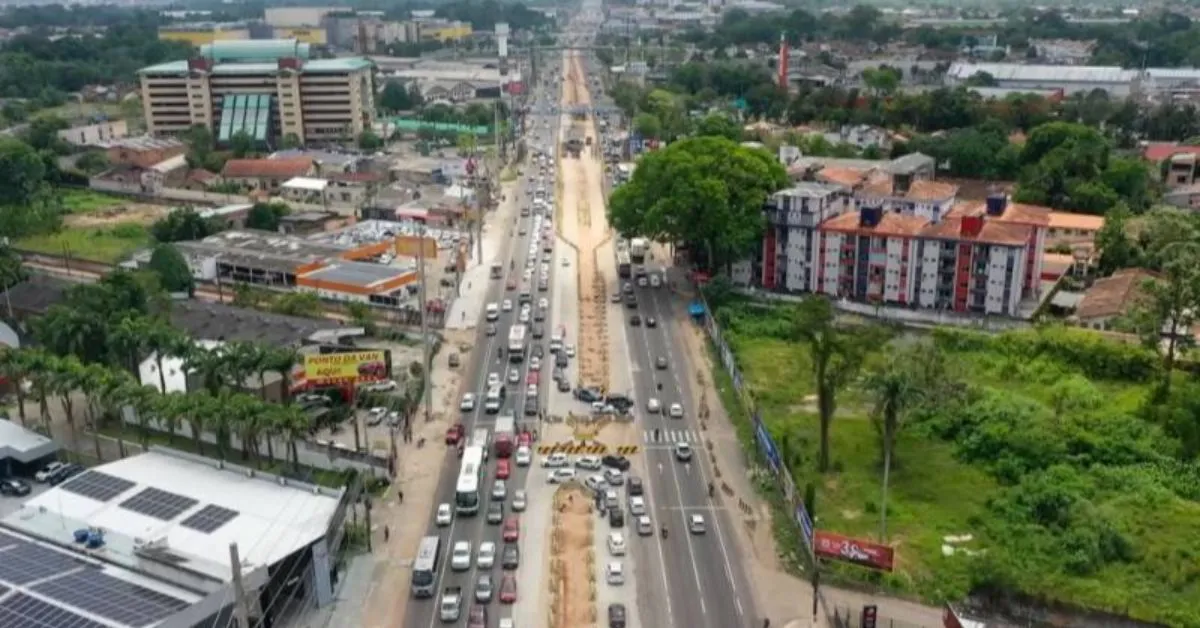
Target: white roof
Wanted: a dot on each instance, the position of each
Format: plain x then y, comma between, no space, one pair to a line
1044,73
272,520
307,183
22,444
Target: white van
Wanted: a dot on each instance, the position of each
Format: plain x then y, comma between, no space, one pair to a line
493,312
494,400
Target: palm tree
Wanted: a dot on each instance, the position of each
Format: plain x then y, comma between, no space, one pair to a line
895,390
245,418
67,380
221,421
92,383
198,409
117,390
283,361
145,403
42,367
294,423
164,341
14,366
128,340
272,419
209,365
170,409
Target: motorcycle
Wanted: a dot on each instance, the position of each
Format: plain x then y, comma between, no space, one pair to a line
664,532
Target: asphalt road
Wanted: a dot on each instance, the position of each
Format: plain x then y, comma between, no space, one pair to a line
422,613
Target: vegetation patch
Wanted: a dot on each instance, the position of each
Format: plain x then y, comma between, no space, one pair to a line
1054,450
101,244
80,201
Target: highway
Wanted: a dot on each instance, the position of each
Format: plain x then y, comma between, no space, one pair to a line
423,613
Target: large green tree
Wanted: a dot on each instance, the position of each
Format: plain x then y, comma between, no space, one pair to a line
172,269
705,192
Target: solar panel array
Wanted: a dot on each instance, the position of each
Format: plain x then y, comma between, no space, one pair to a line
158,503
25,562
111,598
22,611
209,518
98,486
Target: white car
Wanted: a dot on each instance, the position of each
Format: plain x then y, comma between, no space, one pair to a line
523,317
48,471
637,505
676,411
514,376
696,524
444,515
506,305
519,501
460,557
493,379
570,349
594,482
591,463
524,456
543,303
468,402
614,573
614,477
486,556
499,490
655,281
644,525
653,406
616,543
506,622
535,363
556,460
558,476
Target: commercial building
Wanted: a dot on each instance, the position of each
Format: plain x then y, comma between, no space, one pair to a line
200,33
269,89
313,35
22,449
266,175
142,152
95,134
146,541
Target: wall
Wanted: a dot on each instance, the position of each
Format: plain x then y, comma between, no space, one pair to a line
203,197
94,133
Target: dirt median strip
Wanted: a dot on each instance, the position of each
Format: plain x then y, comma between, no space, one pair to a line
573,562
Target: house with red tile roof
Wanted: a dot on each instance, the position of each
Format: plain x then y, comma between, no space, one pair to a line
266,175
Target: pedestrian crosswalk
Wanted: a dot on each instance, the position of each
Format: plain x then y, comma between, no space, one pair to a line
670,436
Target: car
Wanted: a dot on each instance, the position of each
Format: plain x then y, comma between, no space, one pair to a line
524,456
14,487
560,360
543,303
512,284
635,321
588,395
493,379
539,314
508,589
631,301
614,573
478,617
519,501
611,500
651,322
538,351
460,556
511,532
483,588
45,473
510,557
524,439
617,616
445,515
468,402
558,476
514,376
538,332
652,406
660,363
616,462
535,363
455,433
523,317
486,556
641,282
644,526
637,506
556,460
503,469
491,329
655,281
495,513
616,544
566,262
615,298
531,406
66,473
506,622
499,490
634,485
591,463
375,416
696,524
595,482
506,305
564,385
676,411
616,517
683,452
569,350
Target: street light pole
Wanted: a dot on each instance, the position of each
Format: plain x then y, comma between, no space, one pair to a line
426,370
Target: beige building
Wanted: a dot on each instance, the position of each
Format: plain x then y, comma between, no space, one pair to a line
268,89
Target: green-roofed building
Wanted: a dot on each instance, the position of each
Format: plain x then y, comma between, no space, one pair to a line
268,89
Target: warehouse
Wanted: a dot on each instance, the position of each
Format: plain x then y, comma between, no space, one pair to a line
146,540
1074,79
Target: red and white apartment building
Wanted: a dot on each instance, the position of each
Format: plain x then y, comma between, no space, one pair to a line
892,235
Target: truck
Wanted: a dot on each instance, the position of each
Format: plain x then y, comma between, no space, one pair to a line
451,607
505,435
516,343
624,268
637,250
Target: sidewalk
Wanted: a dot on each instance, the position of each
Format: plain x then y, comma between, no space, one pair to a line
497,231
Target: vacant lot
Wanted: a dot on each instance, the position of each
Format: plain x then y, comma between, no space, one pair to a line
1072,485
98,227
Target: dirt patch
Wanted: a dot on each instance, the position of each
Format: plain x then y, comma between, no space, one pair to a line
140,213
573,561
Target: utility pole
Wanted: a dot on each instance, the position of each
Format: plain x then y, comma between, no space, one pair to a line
426,392
239,588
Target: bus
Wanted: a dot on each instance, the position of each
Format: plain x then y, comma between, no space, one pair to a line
516,343
623,264
425,567
466,491
481,438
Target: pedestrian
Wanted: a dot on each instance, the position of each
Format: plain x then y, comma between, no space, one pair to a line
387,533
400,494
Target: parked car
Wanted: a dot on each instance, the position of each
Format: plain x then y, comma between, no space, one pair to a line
43,475
65,473
14,487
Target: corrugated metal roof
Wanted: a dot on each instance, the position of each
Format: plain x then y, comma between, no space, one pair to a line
254,50
1047,73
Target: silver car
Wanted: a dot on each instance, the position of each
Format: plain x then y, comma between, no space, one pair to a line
499,490
484,587
518,503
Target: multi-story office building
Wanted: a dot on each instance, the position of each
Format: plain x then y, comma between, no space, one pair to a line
269,89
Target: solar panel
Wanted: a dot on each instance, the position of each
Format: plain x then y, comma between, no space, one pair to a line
23,611
26,562
209,518
98,486
159,504
111,598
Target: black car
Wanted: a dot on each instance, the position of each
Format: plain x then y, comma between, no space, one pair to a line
616,517
631,302
660,363
14,487
531,407
561,360
510,557
634,485
538,331
616,616
495,513
65,473
620,402
539,351
635,320
620,463
588,395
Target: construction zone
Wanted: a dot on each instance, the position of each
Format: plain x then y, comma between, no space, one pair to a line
572,560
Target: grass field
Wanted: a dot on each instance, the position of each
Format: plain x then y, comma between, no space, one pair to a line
78,201
1102,459
100,244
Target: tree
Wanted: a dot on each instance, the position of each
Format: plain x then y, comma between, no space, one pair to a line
291,141
837,355
92,162
981,79
14,367
894,389
647,125
266,216
719,125
1117,249
1166,311
201,148
23,174
705,192
369,140
241,145
396,97
172,269
11,274
42,134
183,224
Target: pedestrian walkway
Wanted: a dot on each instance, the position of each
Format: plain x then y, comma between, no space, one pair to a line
670,436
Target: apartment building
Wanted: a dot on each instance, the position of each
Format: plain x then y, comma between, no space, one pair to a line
269,89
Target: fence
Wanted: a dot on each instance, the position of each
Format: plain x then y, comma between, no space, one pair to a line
904,315
158,194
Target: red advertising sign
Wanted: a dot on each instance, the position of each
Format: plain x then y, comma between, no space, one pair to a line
857,551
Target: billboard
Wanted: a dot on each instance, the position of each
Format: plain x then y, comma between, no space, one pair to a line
410,246
351,367
856,551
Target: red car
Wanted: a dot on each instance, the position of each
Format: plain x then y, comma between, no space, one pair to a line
512,283
508,589
524,439
503,470
512,530
532,378
455,434
478,618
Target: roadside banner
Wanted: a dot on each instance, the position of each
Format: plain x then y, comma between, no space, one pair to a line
855,551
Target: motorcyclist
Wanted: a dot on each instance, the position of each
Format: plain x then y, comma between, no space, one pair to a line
664,531
659,384
710,490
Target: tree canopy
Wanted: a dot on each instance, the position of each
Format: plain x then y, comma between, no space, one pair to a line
704,192
173,273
